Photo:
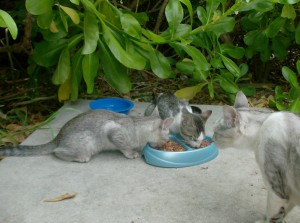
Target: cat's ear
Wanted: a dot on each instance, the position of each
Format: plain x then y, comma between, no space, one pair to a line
166,123
241,100
185,111
205,115
196,110
230,115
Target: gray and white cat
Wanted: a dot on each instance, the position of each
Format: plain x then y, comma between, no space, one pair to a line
275,137
92,132
189,121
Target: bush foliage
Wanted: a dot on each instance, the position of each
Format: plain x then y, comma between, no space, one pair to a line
213,42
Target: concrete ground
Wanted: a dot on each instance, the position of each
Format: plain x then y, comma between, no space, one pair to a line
113,189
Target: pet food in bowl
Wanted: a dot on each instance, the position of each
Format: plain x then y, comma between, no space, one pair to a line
119,105
188,157
171,146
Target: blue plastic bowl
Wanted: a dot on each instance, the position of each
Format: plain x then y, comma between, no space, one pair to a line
190,157
119,105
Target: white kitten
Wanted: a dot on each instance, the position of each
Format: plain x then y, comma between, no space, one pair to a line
275,137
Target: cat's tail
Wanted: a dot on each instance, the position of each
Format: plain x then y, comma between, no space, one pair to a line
24,150
149,110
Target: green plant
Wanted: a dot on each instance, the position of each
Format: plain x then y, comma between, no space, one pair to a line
288,100
269,29
6,21
83,39
270,33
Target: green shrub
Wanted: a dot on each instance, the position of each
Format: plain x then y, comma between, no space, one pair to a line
83,39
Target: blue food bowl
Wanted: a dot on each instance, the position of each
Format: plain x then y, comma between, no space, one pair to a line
189,157
119,105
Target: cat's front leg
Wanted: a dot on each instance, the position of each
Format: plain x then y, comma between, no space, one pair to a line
130,154
277,208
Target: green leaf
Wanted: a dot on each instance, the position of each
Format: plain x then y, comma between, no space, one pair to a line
211,90
202,15
91,32
233,51
216,62
63,68
188,4
244,69
189,93
53,36
186,66
133,60
198,58
44,20
248,24
288,11
64,90
90,64
76,75
141,17
131,26
228,85
231,66
76,2
280,45
203,40
298,66
71,13
223,25
279,94
257,39
211,8
281,106
153,37
174,14
258,5
294,93
248,90
47,53
74,40
295,106
159,64
182,32
38,7
297,34
63,19
275,26
265,54
290,76
114,72
288,1
8,21
200,75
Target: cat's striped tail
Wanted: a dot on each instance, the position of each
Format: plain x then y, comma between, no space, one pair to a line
149,110
24,150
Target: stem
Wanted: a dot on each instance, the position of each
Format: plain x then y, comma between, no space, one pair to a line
160,16
8,52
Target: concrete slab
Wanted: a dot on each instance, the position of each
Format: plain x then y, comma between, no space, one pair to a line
113,189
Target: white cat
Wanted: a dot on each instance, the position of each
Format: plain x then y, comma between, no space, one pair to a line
275,137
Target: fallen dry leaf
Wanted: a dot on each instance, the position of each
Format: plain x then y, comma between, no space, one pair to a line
13,127
62,197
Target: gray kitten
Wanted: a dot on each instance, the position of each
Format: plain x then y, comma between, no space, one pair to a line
275,137
189,121
98,130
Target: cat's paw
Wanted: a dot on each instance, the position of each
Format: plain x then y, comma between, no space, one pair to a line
131,154
261,221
